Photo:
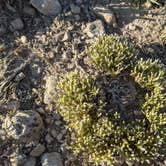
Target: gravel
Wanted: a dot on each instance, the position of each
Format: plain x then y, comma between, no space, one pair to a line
51,159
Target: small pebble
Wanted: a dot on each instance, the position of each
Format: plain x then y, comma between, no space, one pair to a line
23,39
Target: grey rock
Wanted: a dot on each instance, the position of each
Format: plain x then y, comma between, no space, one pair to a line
13,105
54,133
50,91
16,24
24,126
29,10
75,9
119,161
106,14
47,7
31,161
38,150
51,159
48,138
2,30
95,28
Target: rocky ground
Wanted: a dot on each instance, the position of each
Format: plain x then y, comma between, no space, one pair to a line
37,43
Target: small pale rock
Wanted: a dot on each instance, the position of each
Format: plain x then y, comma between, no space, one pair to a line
129,163
50,91
132,27
148,5
74,9
16,24
106,14
24,126
51,159
47,7
23,39
31,161
66,36
38,150
17,159
95,28
58,122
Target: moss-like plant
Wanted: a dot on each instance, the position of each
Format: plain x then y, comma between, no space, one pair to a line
111,54
119,111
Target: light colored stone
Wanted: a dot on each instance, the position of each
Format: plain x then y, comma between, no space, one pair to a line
23,39
148,5
131,27
106,14
95,28
50,91
129,162
17,159
24,126
38,150
31,161
66,36
51,159
47,7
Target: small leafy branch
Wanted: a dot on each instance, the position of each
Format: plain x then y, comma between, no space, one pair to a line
118,112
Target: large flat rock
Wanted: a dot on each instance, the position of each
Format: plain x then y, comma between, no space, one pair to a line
47,7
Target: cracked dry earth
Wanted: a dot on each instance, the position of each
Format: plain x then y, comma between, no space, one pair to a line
35,49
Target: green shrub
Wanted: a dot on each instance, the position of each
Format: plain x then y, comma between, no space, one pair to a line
111,54
117,112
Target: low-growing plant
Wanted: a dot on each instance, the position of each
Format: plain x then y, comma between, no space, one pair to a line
119,111
111,54
163,36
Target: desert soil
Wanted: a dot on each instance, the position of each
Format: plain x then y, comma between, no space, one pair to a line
35,48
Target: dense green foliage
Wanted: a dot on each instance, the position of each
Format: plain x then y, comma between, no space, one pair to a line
105,121
111,54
